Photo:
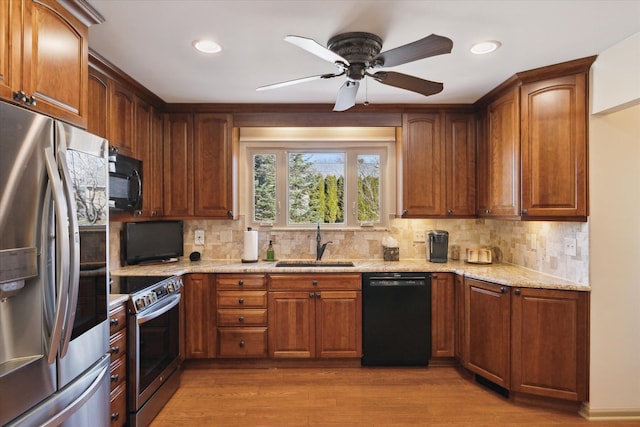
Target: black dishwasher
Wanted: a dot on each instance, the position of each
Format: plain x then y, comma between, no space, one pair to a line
396,319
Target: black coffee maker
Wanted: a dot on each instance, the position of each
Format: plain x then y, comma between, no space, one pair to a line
437,245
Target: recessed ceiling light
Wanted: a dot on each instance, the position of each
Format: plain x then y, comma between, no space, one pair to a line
485,47
207,46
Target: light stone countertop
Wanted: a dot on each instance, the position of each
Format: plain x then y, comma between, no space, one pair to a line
502,274
115,299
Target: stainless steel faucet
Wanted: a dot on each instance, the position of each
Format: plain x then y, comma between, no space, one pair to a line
320,247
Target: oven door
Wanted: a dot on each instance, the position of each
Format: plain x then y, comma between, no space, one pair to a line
154,343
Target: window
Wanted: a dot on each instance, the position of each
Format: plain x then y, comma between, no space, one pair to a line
298,182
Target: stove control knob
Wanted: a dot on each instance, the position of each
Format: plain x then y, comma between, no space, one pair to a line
170,288
140,303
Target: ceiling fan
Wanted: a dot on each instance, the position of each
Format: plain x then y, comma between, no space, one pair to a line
355,53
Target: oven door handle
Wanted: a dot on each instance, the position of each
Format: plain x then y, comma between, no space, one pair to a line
165,306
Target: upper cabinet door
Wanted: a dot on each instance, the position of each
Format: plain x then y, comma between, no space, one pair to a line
122,119
212,166
423,166
554,148
503,151
178,163
56,78
460,154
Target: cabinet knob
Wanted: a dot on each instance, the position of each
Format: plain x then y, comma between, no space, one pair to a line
314,282
405,212
524,212
115,378
230,214
317,294
31,101
114,321
241,319
240,300
240,282
115,350
449,211
115,416
503,290
241,343
312,295
517,291
19,96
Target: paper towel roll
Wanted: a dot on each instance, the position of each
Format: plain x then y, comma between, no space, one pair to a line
250,246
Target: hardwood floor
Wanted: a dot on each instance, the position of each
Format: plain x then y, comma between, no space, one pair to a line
351,396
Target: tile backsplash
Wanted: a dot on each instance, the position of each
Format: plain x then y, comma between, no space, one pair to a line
537,245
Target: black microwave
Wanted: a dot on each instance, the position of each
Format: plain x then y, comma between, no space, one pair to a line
125,182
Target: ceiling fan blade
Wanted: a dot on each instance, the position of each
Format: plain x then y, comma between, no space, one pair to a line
296,81
404,81
316,48
346,96
429,46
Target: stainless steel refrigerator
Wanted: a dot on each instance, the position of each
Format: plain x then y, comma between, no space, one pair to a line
54,333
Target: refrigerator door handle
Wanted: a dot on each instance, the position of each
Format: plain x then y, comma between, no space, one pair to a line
74,248
73,406
62,250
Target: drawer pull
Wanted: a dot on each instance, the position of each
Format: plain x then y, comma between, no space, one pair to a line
240,282
115,416
240,300
115,378
241,319
314,282
241,344
115,321
115,350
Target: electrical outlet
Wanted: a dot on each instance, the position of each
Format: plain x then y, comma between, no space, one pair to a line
570,246
418,236
199,237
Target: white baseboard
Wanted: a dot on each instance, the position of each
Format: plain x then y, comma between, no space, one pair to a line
617,414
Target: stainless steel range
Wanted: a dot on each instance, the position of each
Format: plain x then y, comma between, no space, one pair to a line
154,343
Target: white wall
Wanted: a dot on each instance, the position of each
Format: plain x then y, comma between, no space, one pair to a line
614,153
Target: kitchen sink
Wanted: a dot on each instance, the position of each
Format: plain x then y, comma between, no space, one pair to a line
311,263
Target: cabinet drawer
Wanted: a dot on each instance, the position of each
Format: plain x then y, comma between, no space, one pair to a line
233,282
119,406
242,299
118,373
321,281
242,342
118,344
242,317
117,319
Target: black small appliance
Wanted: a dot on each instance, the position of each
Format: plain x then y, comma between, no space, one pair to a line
125,182
437,246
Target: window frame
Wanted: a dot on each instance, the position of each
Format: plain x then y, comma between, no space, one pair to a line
385,149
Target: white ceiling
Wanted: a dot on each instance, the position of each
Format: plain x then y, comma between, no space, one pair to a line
152,42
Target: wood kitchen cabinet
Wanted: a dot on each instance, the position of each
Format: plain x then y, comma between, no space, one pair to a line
122,121
52,81
118,370
554,147
315,316
242,315
459,320
532,159
439,152
527,340
198,149
549,343
200,316
148,134
500,161
423,167
460,164
487,330
442,315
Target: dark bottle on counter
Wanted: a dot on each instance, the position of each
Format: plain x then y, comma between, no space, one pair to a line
270,252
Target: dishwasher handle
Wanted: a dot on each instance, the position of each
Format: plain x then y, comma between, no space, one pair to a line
390,282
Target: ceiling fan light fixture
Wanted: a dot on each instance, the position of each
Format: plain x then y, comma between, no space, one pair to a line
207,46
485,47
